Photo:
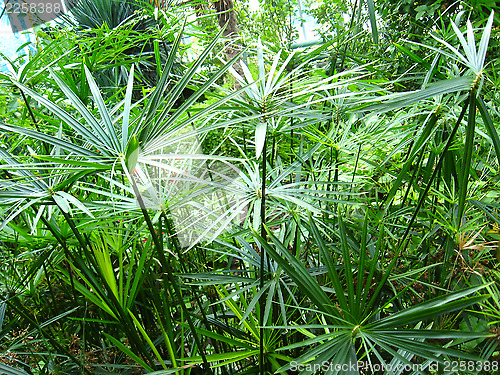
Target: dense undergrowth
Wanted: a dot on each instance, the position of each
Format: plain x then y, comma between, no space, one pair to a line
285,211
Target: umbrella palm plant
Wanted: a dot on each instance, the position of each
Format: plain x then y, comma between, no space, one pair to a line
104,147
110,175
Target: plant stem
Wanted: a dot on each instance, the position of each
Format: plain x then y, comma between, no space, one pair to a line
469,145
402,244
166,268
262,302
35,123
109,296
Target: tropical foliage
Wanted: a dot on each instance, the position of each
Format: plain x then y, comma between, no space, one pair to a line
168,206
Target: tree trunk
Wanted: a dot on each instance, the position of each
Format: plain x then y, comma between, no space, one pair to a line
227,15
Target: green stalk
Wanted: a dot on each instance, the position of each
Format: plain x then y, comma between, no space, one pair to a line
135,340
166,268
490,126
273,151
245,141
413,176
66,252
262,302
469,145
167,336
419,144
448,171
402,244
336,174
49,285
73,289
35,123
361,265
175,242
165,328
355,167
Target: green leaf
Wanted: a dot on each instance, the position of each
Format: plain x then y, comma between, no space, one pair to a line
8,370
483,44
330,260
399,100
298,273
435,307
260,60
61,201
97,136
490,126
111,136
260,137
128,352
171,371
126,109
224,358
76,202
84,164
373,20
147,338
49,139
132,154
